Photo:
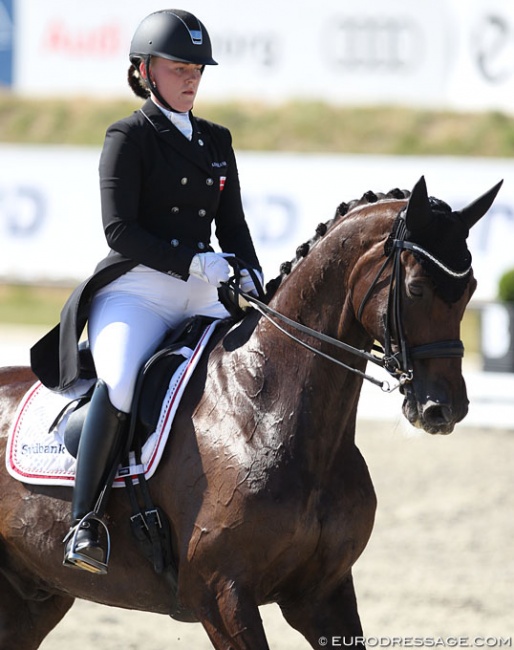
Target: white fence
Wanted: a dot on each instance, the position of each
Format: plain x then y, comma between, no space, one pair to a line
50,224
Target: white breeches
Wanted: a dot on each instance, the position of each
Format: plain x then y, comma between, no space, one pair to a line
130,316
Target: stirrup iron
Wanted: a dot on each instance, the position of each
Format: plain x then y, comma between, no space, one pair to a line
74,558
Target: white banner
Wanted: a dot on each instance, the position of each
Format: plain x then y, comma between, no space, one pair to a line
50,223
438,53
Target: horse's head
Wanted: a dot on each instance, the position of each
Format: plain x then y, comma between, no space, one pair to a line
415,302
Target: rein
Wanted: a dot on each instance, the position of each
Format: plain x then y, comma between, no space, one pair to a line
268,312
397,364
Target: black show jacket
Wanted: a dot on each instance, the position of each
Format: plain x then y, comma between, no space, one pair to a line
160,195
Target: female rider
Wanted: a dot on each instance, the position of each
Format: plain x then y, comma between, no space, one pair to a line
165,176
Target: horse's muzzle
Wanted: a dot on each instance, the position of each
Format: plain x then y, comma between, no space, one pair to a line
435,417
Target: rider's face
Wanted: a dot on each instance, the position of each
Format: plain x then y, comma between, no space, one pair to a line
177,82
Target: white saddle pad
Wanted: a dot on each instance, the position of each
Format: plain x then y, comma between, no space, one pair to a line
36,453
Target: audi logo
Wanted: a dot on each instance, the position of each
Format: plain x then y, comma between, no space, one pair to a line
372,44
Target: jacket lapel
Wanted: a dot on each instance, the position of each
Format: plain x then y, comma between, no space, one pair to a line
194,150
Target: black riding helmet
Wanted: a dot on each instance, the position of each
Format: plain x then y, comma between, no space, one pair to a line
171,34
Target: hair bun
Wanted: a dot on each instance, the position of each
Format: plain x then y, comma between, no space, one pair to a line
136,83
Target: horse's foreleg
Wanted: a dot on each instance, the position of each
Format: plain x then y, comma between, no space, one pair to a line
232,619
327,619
25,623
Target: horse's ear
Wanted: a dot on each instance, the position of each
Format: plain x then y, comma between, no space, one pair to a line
418,216
476,210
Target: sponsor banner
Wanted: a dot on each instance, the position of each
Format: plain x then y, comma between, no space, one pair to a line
268,51
482,74
436,53
50,222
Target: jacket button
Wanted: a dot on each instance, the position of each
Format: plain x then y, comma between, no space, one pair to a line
200,142
184,180
174,243
175,209
201,245
209,181
202,213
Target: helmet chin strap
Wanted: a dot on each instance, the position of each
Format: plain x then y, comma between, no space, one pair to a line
153,87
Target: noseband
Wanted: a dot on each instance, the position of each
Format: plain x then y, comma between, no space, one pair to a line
397,363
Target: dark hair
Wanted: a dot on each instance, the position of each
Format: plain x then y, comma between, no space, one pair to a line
137,84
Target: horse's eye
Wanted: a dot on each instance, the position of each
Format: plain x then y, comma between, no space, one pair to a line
415,290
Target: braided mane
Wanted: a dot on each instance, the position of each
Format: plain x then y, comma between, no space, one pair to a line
322,228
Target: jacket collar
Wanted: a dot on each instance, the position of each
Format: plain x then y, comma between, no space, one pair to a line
194,150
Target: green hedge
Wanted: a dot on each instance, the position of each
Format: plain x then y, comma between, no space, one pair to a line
293,126
506,286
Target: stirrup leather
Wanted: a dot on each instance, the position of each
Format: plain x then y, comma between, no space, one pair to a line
75,558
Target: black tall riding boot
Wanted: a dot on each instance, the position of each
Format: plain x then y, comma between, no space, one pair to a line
99,448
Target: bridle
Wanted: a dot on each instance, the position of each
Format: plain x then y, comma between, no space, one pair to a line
397,363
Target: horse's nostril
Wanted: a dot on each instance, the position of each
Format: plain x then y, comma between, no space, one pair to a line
437,413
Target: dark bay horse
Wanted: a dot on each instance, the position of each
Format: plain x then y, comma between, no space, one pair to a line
269,498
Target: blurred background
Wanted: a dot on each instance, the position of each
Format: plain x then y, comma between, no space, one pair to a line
324,104
325,101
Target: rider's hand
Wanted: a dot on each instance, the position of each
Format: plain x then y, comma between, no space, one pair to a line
247,285
210,267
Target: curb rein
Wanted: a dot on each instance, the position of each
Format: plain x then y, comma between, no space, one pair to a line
397,364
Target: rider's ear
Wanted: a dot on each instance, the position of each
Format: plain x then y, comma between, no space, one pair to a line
418,216
142,70
476,210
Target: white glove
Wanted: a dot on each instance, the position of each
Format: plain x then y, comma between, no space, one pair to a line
247,285
210,267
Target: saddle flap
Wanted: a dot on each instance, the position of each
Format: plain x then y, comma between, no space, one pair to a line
151,387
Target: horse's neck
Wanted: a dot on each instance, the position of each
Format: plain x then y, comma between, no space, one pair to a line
318,397
311,401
